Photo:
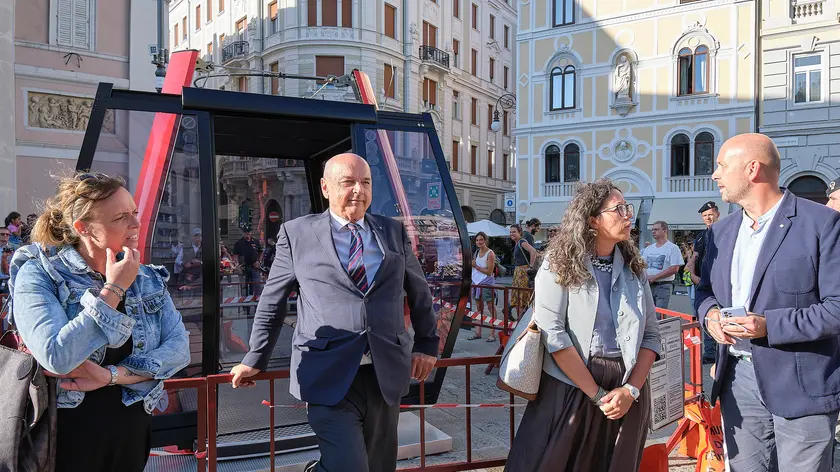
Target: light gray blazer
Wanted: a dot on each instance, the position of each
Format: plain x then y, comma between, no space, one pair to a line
566,317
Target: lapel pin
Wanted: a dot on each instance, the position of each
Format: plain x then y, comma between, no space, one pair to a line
781,226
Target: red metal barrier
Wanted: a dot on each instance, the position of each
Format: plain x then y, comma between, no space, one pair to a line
208,407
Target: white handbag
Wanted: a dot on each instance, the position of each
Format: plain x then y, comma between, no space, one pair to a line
521,366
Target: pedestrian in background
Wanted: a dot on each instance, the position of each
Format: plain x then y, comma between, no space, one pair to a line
663,260
483,265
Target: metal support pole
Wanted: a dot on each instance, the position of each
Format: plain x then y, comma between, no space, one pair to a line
160,59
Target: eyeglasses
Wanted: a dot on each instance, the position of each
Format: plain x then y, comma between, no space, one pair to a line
624,210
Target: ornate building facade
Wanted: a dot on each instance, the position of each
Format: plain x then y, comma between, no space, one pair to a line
640,91
52,57
800,92
451,58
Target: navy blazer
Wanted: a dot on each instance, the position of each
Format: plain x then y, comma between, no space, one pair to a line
797,289
335,321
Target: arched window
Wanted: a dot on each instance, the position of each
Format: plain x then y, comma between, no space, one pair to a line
562,88
704,154
693,71
680,159
552,164
571,163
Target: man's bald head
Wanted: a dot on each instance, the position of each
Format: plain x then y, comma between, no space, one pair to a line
754,146
340,162
747,163
347,186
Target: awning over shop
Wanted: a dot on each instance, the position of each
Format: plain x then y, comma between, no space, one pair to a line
681,213
549,213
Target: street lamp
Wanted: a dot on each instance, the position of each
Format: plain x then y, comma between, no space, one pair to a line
507,101
160,58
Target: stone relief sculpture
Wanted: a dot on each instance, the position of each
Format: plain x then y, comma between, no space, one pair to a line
53,111
622,79
623,151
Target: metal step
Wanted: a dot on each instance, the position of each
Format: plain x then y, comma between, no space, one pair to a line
287,462
258,442
248,451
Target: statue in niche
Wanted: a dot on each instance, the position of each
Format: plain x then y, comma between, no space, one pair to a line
622,80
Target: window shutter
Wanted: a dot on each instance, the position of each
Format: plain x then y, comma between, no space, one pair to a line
81,24
64,18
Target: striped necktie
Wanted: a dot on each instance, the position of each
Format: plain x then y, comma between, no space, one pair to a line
356,262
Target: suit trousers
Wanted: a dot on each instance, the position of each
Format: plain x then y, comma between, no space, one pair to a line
359,434
756,440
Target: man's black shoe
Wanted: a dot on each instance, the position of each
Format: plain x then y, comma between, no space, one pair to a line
310,467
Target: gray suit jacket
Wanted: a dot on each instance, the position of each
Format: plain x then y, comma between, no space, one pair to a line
566,316
335,321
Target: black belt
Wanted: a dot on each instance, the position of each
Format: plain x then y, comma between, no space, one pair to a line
660,283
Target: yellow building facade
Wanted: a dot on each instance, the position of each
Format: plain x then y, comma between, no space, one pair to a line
641,91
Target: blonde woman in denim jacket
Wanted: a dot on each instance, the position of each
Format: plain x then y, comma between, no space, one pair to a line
101,322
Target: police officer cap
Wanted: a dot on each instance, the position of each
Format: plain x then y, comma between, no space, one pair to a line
708,206
833,186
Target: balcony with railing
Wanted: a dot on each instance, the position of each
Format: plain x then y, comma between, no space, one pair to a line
235,50
804,10
689,183
557,189
434,56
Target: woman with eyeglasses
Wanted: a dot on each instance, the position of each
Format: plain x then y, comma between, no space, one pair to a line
595,310
100,321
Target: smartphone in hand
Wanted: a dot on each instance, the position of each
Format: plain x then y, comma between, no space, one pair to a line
733,311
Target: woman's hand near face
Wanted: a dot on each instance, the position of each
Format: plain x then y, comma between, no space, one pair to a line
122,273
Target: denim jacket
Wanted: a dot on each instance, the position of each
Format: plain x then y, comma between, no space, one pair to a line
58,313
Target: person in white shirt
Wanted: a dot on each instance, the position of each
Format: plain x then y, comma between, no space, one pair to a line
663,262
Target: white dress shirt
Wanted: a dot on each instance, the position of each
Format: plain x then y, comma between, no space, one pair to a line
747,248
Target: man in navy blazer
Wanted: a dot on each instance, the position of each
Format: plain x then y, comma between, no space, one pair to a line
778,374
352,357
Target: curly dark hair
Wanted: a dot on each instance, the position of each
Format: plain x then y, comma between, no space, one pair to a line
575,240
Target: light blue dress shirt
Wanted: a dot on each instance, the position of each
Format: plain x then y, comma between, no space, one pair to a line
747,248
341,238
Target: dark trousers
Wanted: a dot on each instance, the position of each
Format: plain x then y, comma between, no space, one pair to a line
359,434
759,441
251,276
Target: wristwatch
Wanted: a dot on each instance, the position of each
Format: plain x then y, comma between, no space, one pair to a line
634,392
114,374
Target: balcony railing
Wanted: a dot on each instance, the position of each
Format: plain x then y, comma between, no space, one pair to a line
559,190
234,50
805,9
700,183
433,54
